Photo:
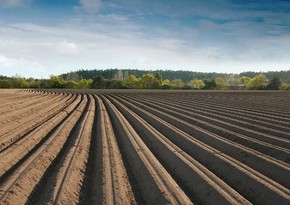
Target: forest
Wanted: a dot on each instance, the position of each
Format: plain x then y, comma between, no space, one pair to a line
158,79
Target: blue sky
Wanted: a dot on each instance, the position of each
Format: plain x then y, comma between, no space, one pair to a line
43,37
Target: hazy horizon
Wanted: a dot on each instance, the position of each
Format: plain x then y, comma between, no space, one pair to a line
41,37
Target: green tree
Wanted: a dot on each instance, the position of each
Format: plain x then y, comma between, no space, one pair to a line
209,84
55,82
99,82
197,84
35,84
275,83
19,82
220,83
119,75
233,80
131,82
158,76
72,76
6,83
114,84
259,82
24,83
44,83
16,81
178,84
85,84
156,84
166,84
71,84
147,81
245,80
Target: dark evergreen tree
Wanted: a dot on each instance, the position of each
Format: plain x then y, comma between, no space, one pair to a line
114,84
6,83
99,82
209,84
275,83
158,76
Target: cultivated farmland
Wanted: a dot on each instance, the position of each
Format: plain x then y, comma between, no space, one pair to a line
144,147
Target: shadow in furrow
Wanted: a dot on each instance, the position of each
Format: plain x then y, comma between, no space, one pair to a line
36,196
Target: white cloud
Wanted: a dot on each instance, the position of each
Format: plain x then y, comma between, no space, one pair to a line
90,6
110,41
20,66
68,49
13,3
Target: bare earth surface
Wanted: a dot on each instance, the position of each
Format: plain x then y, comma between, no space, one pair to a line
144,147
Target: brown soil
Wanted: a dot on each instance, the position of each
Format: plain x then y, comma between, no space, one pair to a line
144,147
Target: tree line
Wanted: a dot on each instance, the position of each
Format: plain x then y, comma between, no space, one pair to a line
148,81
52,82
185,76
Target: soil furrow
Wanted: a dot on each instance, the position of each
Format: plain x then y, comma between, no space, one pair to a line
236,107
189,171
19,110
155,182
25,145
30,173
76,146
114,180
235,164
227,133
222,144
222,116
31,123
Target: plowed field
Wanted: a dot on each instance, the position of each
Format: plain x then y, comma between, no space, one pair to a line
144,147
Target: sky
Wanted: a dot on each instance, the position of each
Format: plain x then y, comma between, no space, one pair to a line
39,38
